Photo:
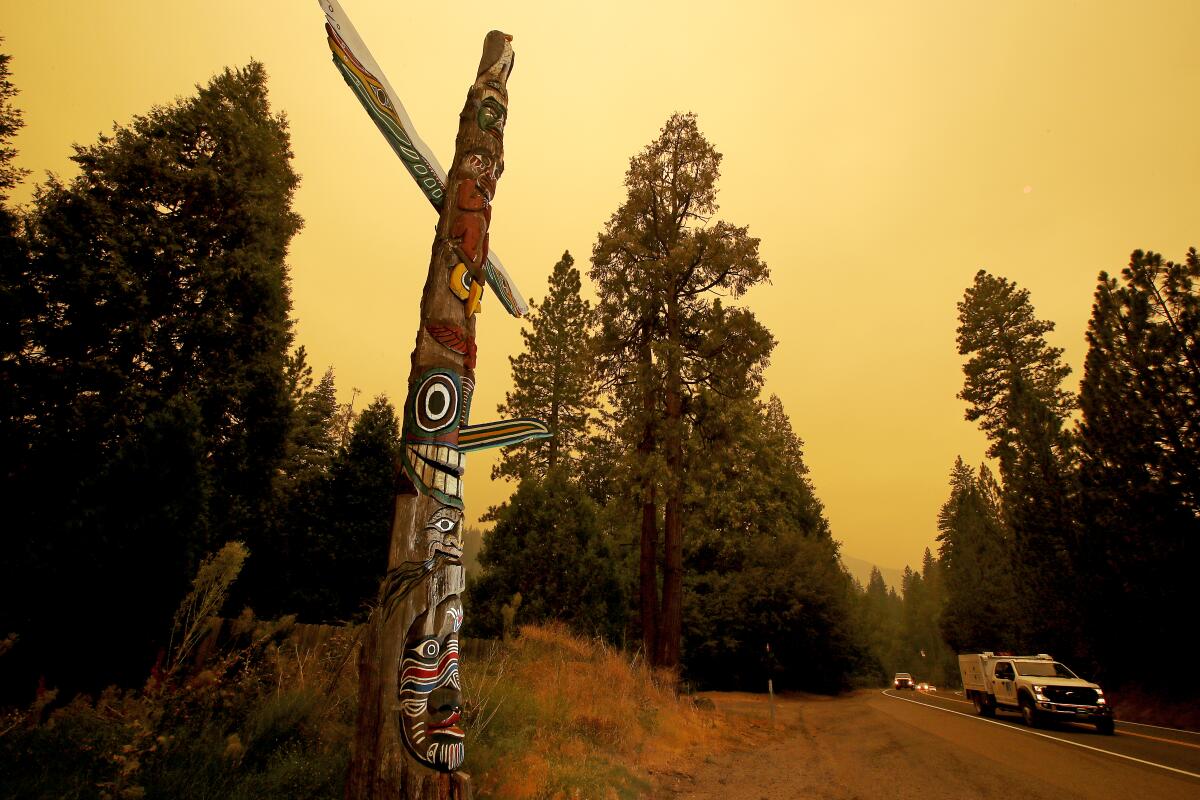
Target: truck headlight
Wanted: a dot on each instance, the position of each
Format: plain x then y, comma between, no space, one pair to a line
1037,692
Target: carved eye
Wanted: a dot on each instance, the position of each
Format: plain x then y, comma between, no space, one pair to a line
429,649
444,525
435,406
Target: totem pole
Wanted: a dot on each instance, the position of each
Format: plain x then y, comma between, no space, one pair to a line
408,741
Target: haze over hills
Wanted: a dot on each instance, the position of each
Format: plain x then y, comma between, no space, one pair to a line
860,570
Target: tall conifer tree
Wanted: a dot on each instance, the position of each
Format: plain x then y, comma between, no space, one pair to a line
976,563
1140,457
554,379
1013,383
659,266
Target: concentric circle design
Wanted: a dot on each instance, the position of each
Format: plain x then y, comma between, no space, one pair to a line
435,406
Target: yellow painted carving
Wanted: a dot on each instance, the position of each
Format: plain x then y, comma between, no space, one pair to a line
466,289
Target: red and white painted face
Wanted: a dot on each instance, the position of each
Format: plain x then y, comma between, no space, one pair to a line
430,693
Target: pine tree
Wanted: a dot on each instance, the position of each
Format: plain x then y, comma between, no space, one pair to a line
11,121
338,570
1140,457
151,378
1009,354
554,379
1013,385
976,563
17,298
658,266
761,564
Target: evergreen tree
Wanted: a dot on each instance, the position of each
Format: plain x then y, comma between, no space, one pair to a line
150,382
880,619
271,579
1013,385
11,122
339,567
762,567
554,379
976,564
1140,458
1008,355
312,439
17,298
658,266
549,547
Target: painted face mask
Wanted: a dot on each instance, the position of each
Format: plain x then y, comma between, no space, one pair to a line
431,455
437,438
430,693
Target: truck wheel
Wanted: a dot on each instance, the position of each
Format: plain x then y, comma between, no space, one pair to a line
982,707
1105,726
1030,714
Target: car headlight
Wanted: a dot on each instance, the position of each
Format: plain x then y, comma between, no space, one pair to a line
1037,691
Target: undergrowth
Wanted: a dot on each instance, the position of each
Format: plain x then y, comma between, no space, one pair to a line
548,715
551,715
257,720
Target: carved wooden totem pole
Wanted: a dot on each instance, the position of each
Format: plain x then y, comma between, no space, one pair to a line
409,742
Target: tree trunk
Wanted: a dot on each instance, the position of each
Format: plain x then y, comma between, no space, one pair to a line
408,742
672,603
648,564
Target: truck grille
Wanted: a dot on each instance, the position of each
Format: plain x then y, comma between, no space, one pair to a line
1075,695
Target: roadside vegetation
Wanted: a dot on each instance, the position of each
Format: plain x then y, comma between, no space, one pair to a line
267,712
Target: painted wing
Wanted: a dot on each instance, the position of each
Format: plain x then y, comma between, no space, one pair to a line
370,85
500,433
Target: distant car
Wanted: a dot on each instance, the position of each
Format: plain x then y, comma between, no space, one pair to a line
903,681
925,687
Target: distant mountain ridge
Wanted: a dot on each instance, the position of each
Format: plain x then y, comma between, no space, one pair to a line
860,569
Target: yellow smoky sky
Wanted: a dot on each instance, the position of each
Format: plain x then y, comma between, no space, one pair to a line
882,151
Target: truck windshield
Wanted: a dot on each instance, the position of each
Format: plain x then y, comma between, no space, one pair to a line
1044,669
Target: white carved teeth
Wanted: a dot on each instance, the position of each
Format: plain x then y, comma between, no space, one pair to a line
438,467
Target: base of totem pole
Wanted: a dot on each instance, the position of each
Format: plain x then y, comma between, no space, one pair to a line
460,787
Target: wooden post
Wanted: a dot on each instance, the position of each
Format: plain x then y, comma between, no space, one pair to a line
408,741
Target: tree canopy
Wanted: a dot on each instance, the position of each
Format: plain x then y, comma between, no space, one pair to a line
149,403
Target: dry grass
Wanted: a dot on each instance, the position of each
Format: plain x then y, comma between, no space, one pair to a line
552,715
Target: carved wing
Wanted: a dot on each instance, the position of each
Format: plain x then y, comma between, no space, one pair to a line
370,85
501,433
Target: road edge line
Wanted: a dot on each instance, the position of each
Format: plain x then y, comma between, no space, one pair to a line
1043,735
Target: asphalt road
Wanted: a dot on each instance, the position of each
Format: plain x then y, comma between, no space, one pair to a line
889,744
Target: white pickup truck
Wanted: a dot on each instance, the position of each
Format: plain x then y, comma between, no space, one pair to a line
1039,687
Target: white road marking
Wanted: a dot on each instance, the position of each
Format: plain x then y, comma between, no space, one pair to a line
1044,735
1160,727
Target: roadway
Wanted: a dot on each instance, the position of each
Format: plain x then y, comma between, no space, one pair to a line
1150,748
905,744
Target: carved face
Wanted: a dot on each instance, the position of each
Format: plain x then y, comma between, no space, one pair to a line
485,171
491,117
443,533
430,694
431,457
